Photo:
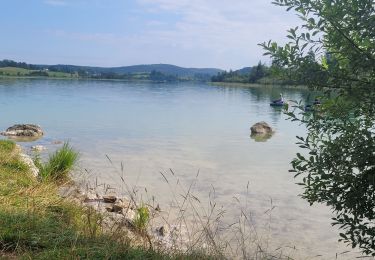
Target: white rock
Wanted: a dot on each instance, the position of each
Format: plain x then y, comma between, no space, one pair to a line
29,162
38,148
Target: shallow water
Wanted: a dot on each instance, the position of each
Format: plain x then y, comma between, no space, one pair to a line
188,128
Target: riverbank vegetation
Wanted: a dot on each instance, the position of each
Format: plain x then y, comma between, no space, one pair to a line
36,223
59,164
260,74
334,52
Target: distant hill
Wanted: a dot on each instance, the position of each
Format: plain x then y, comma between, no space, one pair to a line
163,68
154,72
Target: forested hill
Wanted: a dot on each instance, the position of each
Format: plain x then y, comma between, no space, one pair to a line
259,74
166,69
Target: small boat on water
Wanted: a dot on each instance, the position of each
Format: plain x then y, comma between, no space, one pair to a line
278,102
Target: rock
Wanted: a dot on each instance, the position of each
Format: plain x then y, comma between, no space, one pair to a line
261,138
90,196
261,128
109,198
24,130
114,208
38,148
163,230
129,214
29,162
125,204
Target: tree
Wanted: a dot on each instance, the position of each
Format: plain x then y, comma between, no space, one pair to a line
257,72
334,52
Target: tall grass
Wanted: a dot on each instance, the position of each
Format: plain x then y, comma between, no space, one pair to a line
36,223
201,226
7,146
59,164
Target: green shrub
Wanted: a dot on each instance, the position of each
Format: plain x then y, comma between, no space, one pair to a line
142,218
59,163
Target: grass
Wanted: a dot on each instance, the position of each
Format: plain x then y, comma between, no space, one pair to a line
35,223
20,72
201,225
59,164
142,218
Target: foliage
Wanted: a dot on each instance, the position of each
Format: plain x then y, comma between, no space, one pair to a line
40,73
159,76
256,74
11,63
334,51
59,164
35,223
142,218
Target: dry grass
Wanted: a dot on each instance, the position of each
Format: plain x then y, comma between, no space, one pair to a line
36,223
202,225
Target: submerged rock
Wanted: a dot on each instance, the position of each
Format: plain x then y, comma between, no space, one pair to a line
261,128
38,148
261,138
24,130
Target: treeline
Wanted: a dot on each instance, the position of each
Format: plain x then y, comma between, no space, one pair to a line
138,72
156,76
260,74
251,75
83,72
22,65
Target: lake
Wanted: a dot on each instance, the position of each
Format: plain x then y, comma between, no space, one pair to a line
187,127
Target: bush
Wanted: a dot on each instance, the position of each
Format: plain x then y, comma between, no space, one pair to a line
142,218
59,164
333,52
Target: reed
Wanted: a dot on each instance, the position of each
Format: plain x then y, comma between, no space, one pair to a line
59,164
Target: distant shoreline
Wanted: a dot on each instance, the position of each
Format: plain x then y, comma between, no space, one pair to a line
220,84
2,77
255,85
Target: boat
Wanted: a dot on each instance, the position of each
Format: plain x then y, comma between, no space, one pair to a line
277,103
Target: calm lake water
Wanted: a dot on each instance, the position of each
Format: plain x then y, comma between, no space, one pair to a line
188,128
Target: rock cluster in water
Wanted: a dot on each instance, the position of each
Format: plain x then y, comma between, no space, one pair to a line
261,128
24,130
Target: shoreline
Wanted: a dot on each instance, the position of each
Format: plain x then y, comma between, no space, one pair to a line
255,85
210,83
117,212
2,77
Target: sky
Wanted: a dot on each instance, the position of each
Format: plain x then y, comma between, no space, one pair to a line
190,33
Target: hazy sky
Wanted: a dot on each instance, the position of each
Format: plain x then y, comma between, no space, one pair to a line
190,33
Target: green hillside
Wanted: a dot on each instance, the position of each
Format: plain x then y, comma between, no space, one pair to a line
21,72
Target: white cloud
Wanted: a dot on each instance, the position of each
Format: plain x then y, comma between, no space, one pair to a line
227,31
195,33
